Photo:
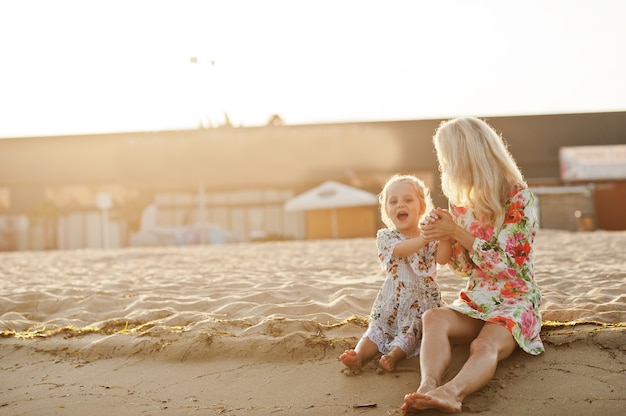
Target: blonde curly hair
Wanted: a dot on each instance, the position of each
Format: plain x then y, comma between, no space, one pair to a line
423,193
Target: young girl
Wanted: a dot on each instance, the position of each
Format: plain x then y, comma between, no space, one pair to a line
409,288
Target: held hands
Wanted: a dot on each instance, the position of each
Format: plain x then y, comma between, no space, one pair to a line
438,225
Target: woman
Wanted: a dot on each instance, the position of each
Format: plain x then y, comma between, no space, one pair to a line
492,225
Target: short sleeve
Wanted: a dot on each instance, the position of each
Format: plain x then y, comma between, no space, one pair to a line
386,240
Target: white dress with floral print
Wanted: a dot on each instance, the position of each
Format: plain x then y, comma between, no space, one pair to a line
501,285
409,289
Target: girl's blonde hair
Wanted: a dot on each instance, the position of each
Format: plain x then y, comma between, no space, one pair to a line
477,169
423,193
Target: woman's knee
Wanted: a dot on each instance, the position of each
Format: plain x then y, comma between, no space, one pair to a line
436,319
499,349
431,317
483,346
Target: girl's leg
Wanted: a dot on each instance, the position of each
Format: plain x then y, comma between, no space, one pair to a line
388,361
353,359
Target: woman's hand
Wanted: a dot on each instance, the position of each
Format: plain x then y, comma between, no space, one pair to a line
439,225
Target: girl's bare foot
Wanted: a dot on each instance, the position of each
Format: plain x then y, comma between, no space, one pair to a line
388,361
351,360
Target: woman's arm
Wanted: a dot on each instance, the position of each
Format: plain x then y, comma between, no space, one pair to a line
510,250
503,252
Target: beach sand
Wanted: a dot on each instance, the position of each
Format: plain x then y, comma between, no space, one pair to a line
257,328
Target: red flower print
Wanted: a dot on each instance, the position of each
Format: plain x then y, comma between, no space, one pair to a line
506,274
483,274
459,210
504,321
515,213
514,288
470,302
512,192
520,252
484,232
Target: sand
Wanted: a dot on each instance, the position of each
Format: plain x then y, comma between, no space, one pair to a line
257,328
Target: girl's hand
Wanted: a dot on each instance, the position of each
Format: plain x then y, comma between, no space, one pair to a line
439,226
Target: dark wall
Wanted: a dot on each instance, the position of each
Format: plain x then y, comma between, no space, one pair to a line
284,156
535,140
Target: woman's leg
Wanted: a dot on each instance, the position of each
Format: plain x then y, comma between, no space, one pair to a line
442,327
494,343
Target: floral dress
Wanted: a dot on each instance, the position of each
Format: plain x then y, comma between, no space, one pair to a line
501,285
409,289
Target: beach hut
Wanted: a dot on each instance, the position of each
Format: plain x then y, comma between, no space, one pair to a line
336,210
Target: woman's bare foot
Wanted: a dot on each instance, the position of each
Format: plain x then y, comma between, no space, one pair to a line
438,399
415,401
351,360
427,385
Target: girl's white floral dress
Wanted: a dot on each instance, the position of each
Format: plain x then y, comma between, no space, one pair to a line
409,289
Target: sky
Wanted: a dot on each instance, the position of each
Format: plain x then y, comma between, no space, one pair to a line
89,67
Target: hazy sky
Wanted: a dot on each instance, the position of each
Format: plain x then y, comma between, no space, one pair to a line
87,66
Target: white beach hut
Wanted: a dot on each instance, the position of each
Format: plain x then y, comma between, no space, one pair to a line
337,210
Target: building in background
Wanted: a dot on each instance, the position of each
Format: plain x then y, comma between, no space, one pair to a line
594,187
92,191
336,210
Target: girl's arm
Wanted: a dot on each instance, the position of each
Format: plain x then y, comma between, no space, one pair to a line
407,247
444,252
